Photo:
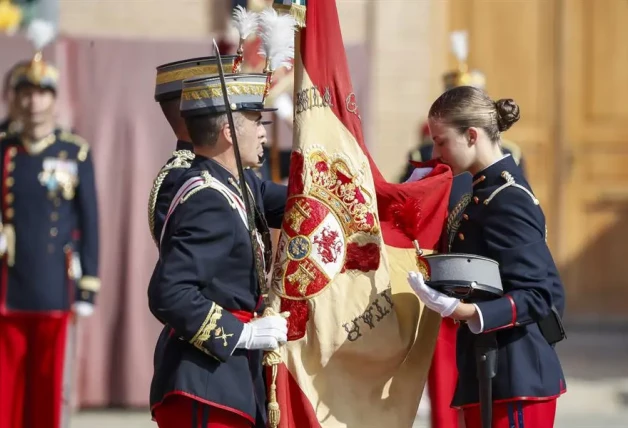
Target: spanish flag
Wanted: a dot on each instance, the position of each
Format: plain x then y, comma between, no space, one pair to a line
360,343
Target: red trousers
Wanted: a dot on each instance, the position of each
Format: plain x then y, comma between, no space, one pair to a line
442,377
178,411
32,352
515,414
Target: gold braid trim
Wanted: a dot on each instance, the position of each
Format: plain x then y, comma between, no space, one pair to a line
207,327
182,159
152,202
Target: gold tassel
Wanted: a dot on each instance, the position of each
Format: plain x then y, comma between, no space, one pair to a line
272,359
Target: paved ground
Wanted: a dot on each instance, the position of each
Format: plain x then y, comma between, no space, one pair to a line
595,363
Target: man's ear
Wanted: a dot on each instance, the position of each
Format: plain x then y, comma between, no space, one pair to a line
472,135
226,132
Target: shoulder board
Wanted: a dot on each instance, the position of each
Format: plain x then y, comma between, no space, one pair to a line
510,182
180,159
77,140
513,148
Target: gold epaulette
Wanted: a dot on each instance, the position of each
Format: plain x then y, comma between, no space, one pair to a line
514,150
510,182
182,159
79,141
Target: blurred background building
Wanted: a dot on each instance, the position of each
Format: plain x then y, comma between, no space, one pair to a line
564,61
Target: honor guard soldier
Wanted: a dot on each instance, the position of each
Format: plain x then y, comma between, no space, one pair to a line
49,249
168,94
206,287
503,222
9,123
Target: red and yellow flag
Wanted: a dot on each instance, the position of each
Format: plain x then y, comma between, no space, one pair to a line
360,343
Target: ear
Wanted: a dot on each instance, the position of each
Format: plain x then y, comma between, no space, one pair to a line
226,132
472,135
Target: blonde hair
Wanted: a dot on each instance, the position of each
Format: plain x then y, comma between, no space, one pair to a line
464,107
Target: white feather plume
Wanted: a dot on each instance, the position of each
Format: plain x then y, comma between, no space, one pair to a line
40,33
244,21
460,45
277,36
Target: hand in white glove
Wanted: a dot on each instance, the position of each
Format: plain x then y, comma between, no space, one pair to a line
418,174
83,309
435,300
266,333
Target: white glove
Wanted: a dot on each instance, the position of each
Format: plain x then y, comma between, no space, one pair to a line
418,174
83,309
435,300
3,243
266,333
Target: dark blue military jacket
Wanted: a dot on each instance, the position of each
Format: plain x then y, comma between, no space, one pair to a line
160,195
49,205
504,222
206,272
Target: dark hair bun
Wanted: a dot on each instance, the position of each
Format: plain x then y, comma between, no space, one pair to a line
507,113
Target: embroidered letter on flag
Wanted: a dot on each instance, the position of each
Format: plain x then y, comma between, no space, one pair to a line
360,343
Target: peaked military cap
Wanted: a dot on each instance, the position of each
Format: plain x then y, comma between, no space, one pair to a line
170,76
203,95
36,72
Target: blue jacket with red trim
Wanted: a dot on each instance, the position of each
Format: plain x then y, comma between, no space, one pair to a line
50,222
504,222
204,281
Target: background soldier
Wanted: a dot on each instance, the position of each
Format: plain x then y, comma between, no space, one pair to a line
9,123
50,253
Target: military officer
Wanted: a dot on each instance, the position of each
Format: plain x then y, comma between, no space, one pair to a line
207,287
48,247
9,123
502,221
168,94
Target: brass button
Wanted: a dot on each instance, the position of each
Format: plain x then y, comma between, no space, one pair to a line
54,216
10,181
12,151
464,216
461,236
53,232
476,199
10,213
11,166
9,198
